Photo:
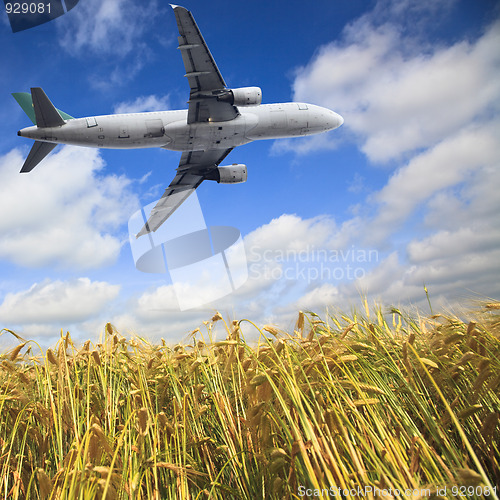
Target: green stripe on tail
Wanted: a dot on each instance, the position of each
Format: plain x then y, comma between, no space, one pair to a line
24,100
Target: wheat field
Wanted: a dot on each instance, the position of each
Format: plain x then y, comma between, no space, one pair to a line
371,403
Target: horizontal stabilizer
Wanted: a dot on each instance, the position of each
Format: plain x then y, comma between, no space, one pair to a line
46,114
38,152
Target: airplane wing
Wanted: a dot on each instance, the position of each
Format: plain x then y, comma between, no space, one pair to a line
194,167
205,81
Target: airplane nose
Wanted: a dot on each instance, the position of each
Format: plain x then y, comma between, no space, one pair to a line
335,120
340,120
328,119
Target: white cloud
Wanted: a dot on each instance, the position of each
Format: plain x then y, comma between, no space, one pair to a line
161,301
432,108
398,95
450,244
144,103
104,28
448,164
279,255
155,314
285,254
111,28
290,232
317,299
307,145
455,250
65,213
273,297
57,302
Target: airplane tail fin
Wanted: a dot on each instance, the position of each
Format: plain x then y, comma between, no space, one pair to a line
43,114
46,108
46,115
38,152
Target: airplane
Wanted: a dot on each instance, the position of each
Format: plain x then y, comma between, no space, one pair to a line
217,120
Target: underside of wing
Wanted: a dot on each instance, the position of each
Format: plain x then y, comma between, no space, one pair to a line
194,168
205,81
180,188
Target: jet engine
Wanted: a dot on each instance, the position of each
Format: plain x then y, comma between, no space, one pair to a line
231,174
244,96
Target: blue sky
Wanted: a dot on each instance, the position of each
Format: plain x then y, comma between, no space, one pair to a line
404,194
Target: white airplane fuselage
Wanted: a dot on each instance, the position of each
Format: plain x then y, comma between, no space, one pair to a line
170,130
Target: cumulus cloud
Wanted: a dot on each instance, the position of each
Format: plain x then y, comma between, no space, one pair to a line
289,260
104,28
155,314
398,95
57,301
317,299
307,145
272,294
450,163
114,28
290,231
298,264
455,246
65,214
144,103
430,111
